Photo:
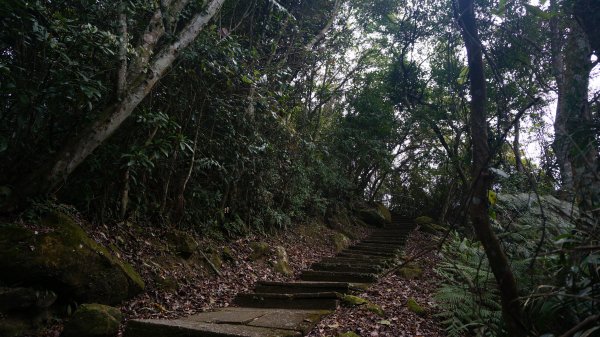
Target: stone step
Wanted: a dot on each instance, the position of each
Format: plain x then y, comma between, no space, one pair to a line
335,276
385,241
374,248
385,237
301,287
365,255
230,322
391,232
374,261
313,301
384,246
347,267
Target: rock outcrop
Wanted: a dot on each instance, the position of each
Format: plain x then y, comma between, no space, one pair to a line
61,257
93,320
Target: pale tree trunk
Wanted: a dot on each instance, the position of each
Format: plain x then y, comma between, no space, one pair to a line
561,144
511,307
517,147
321,35
146,71
577,119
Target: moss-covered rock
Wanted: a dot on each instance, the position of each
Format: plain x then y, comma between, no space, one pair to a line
348,334
282,264
423,220
340,241
215,258
410,272
228,254
259,250
65,260
352,300
182,243
93,320
371,217
374,308
433,228
413,306
384,211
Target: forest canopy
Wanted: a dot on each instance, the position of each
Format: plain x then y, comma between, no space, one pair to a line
234,116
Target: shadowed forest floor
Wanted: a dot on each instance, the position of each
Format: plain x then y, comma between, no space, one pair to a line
179,287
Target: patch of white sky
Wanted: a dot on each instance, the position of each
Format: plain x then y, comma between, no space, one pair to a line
536,136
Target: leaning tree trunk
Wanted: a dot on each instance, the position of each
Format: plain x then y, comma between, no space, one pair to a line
143,76
511,307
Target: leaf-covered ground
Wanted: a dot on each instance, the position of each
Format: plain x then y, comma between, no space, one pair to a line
178,287
391,293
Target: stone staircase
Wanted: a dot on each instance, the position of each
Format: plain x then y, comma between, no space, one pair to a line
282,309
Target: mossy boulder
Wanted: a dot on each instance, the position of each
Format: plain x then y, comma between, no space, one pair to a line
377,215
340,241
352,300
62,258
336,217
384,211
423,220
182,243
259,250
413,306
433,228
228,254
376,309
93,320
410,272
282,264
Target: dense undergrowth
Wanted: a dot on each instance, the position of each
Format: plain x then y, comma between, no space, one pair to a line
558,281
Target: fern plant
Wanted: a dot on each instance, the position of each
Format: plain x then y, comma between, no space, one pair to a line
468,301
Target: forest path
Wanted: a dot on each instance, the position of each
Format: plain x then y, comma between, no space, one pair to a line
285,309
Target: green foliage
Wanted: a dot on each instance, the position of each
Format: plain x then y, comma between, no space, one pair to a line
467,298
558,284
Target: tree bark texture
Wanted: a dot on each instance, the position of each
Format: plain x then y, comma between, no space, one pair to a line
511,307
575,135
560,145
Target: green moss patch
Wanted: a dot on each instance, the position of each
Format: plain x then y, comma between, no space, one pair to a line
413,306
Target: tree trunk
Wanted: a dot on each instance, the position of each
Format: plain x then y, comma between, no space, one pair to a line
560,145
575,144
579,131
517,147
82,145
511,308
